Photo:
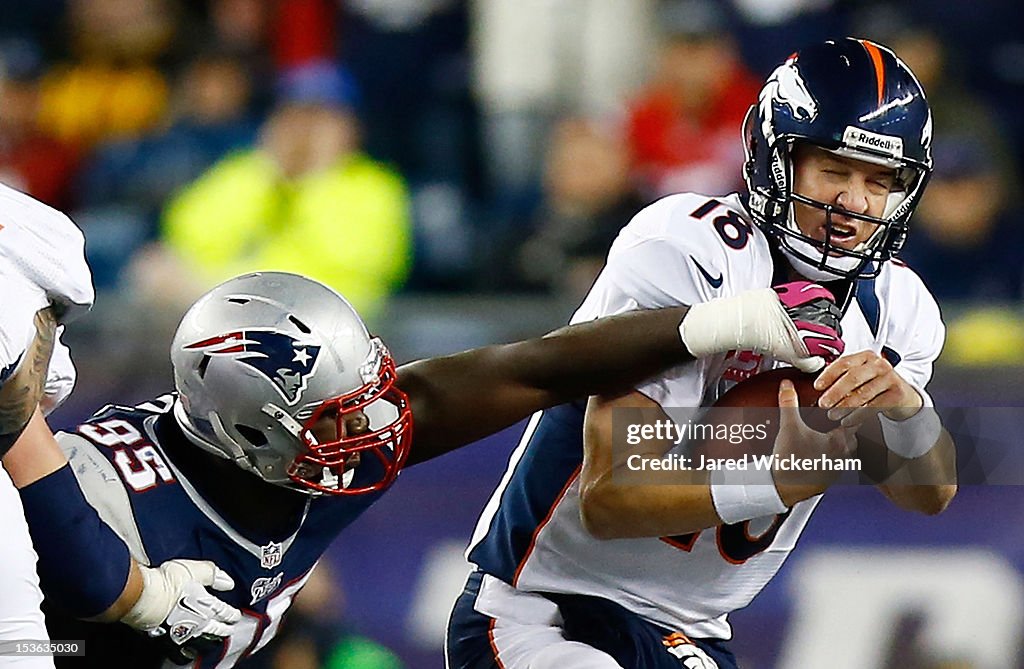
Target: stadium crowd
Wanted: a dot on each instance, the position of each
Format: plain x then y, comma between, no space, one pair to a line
489,145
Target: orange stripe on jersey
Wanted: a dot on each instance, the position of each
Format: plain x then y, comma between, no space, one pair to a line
547,518
676,639
494,646
876,60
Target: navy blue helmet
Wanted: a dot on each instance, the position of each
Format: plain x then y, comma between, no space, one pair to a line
856,99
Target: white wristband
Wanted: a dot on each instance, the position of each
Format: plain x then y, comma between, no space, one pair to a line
755,497
153,604
915,436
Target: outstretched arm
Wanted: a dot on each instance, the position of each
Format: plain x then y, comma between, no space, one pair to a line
461,398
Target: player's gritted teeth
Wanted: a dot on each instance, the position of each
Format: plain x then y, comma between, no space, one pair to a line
843,231
840,232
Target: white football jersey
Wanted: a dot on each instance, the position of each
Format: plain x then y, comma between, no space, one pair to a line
42,262
683,249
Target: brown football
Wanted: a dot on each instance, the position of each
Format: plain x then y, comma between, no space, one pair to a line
762,390
754,403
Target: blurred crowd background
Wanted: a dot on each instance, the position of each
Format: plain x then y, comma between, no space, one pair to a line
442,147
458,169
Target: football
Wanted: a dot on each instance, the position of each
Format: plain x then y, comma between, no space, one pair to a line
746,418
762,390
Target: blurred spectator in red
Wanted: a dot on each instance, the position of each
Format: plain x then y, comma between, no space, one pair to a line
588,197
112,86
30,160
304,32
306,199
965,243
683,127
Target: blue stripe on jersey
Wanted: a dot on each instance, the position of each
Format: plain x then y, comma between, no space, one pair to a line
892,356
552,455
868,301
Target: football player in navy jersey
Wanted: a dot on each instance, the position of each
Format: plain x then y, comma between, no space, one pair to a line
579,565
288,421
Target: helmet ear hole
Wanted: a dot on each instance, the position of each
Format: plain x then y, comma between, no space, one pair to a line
252,435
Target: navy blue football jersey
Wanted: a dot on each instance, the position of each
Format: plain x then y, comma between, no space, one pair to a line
167,498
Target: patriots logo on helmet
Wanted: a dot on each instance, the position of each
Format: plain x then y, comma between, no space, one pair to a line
280,357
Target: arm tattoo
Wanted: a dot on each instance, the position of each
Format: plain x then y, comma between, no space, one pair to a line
21,392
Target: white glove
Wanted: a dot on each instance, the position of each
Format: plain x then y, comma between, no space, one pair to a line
754,320
175,601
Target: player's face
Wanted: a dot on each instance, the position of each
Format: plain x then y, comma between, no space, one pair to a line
326,429
852,185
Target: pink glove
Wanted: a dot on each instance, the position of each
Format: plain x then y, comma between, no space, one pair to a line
813,310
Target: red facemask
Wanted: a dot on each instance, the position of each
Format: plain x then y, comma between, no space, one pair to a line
324,464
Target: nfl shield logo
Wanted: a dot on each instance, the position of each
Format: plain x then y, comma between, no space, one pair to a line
270,555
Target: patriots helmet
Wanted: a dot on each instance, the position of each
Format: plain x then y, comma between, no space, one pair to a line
262,358
854,98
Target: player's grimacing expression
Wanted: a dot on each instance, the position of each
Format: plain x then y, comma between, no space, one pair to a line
849,184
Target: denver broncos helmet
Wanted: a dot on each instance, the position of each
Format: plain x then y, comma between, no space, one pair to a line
854,98
262,358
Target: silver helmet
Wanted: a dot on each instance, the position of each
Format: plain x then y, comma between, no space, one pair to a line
262,358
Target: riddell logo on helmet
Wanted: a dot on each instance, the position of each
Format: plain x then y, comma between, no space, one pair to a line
887,144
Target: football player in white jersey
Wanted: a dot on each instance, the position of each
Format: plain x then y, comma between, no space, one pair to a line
44,282
575,568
